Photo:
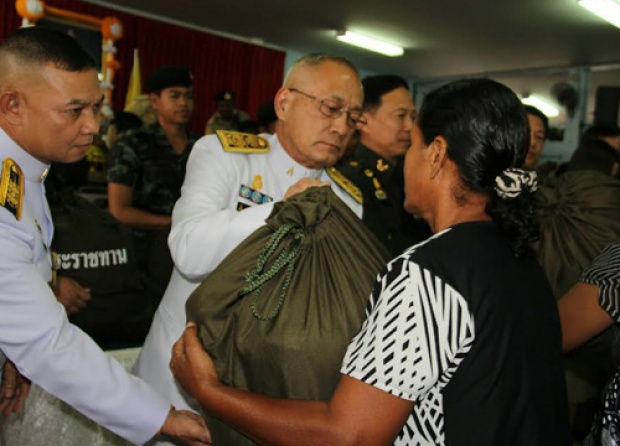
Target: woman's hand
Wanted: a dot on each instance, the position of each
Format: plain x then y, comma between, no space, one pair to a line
191,365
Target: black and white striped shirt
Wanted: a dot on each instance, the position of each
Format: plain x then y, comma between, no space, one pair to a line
469,332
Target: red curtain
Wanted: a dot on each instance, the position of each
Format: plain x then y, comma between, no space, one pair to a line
253,72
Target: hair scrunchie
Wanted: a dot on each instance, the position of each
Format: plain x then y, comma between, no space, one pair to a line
511,182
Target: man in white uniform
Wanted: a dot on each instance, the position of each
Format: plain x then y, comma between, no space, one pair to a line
49,104
232,182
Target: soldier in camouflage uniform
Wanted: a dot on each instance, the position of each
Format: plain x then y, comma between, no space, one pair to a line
226,116
147,168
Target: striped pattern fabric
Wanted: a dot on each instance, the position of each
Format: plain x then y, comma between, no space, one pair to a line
417,332
605,273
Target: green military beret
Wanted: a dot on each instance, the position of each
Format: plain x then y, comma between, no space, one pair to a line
169,76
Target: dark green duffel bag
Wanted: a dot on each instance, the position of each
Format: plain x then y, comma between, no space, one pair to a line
579,215
278,313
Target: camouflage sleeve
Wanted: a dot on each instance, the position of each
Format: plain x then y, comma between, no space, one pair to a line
122,162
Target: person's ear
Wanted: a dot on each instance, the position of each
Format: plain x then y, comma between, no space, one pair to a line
154,97
368,116
438,155
281,102
10,107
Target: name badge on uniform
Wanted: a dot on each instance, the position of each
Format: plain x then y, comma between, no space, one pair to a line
251,197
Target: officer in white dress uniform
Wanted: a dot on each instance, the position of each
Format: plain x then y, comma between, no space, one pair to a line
232,181
49,103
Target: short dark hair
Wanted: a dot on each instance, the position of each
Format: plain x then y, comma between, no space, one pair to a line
376,86
602,131
248,126
531,110
486,129
44,46
266,114
126,121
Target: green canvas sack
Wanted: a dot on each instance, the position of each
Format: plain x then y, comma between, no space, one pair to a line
579,215
278,313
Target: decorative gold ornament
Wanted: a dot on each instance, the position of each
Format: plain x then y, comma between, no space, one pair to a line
257,182
382,166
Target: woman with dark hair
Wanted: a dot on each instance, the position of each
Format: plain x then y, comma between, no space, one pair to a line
462,341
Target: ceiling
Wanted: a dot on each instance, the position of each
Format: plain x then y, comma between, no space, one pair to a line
442,38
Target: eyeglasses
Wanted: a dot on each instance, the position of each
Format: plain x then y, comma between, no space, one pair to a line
332,109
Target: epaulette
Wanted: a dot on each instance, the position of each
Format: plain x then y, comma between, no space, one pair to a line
346,184
242,142
12,187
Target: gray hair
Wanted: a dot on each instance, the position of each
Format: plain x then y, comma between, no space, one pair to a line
316,59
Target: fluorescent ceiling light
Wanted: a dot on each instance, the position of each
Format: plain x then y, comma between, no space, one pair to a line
369,43
606,9
547,108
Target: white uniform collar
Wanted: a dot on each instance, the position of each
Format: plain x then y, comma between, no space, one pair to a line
33,169
283,162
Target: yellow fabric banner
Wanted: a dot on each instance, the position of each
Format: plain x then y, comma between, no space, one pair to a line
135,84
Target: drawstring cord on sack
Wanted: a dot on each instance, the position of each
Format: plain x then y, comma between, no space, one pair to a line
257,277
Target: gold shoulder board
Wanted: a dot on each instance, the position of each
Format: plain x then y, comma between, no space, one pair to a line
242,142
12,187
345,184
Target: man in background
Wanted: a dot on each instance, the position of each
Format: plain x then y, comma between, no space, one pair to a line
539,129
599,150
376,164
226,116
146,171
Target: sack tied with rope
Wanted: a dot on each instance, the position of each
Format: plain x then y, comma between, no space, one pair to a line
278,313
